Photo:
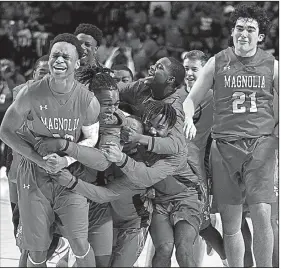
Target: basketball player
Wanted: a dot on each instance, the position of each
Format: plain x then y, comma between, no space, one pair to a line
90,37
193,63
43,109
243,150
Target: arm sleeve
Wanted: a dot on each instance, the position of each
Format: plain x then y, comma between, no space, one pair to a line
90,157
113,191
175,140
128,91
143,176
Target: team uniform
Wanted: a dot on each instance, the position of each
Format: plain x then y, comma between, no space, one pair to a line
43,202
243,151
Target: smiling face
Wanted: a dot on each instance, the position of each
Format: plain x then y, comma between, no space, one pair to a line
63,60
89,44
160,71
157,126
246,36
193,69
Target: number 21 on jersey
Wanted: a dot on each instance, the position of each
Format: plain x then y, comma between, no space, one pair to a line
239,100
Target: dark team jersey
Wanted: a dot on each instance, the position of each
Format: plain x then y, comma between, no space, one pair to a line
243,95
57,117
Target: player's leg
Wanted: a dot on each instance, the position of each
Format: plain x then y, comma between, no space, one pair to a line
213,236
225,160
128,246
185,235
101,239
36,213
275,256
162,235
72,210
247,236
259,181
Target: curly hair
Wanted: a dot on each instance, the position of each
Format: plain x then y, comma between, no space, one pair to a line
98,78
254,12
68,38
89,29
156,108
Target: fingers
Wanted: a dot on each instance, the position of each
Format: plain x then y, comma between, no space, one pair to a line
50,156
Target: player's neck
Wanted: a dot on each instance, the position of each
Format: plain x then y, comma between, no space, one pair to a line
61,85
245,54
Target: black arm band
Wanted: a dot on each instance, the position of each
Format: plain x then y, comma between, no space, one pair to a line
74,184
66,146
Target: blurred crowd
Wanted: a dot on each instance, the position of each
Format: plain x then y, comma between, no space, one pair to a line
144,31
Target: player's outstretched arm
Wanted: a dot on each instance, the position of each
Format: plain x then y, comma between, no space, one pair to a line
200,88
137,172
14,118
97,194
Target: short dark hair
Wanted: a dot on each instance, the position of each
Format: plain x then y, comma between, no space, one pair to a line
44,58
177,70
196,55
252,11
69,38
89,29
123,67
155,108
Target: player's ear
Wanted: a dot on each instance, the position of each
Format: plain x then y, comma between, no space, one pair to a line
232,30
171,80
77,65
261,37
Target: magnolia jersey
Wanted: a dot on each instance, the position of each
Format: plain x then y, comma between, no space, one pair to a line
61,116
243,95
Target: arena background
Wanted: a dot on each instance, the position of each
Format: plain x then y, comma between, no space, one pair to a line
148,30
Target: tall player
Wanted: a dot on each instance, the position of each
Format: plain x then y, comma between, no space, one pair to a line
243,150
56,106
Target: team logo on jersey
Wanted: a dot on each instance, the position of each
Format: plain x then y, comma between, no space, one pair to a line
43,107
26,186
226,68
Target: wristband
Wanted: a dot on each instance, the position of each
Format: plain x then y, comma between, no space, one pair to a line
66,146
74,184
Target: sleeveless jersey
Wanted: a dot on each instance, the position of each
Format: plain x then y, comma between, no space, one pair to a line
243,95
51,118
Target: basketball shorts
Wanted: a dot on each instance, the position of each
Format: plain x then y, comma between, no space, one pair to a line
167,214
128,245
244,170
42,202
100,228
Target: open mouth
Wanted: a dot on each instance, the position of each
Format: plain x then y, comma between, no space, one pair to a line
190,79
59,69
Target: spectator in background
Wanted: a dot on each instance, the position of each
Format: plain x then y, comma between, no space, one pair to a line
105,49
136,16
122,56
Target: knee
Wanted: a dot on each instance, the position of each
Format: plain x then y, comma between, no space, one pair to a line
38,256
165,250
261,214
80,246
